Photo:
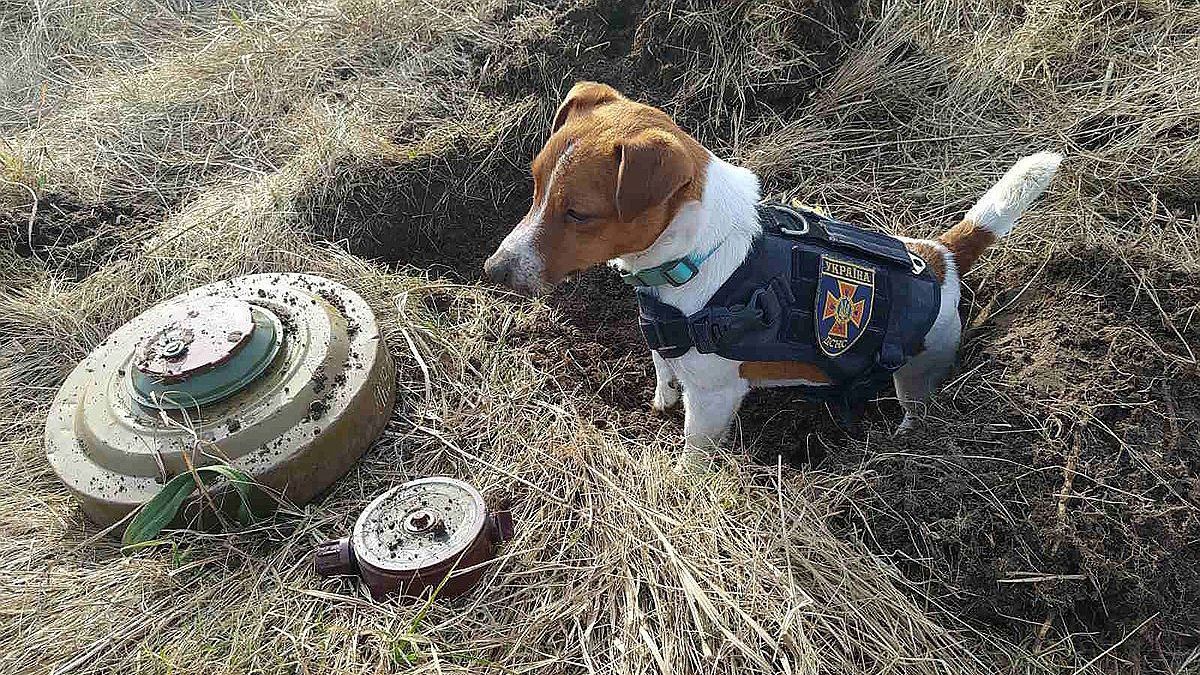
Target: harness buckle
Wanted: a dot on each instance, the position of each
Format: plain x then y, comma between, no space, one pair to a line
652,334
718,327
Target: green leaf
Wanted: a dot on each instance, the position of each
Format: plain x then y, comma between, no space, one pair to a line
242,483
161,509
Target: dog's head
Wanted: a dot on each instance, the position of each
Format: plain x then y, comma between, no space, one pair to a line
609,180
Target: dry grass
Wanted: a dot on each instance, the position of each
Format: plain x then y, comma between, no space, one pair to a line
170,144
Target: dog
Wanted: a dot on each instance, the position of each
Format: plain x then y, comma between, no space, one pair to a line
619,181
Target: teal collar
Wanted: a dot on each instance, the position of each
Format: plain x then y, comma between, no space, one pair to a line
675,272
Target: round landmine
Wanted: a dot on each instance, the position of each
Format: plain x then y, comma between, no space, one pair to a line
433,533
284,376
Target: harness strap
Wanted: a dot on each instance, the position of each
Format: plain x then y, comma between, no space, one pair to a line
669,337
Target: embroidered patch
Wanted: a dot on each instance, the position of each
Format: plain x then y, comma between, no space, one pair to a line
845,293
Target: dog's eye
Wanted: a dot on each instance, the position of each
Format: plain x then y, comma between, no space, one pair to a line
574,216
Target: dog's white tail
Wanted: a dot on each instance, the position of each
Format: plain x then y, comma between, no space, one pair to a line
994,215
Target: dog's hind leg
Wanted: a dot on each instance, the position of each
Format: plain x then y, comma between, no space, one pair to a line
991,218
919,378
923,373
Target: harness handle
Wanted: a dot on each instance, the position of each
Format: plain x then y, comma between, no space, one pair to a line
803,219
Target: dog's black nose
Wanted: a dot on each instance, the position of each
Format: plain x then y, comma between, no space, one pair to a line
499,268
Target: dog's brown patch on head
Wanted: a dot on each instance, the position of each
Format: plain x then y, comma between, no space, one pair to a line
932,256
967,241
766,371
583,97
611,177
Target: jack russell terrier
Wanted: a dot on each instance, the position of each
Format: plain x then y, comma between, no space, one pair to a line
734,293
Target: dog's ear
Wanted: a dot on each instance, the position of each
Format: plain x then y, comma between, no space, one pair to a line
653,166
583,97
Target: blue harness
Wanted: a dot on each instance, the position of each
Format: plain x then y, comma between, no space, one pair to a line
856,304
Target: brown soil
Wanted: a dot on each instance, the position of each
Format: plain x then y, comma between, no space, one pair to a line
71,237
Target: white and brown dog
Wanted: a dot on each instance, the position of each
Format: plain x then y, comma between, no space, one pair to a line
618,181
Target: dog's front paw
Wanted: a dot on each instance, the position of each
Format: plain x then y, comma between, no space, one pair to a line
666,396
907,425
694,462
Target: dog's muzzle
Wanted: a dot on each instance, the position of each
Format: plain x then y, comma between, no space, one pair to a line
520,270
500,267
